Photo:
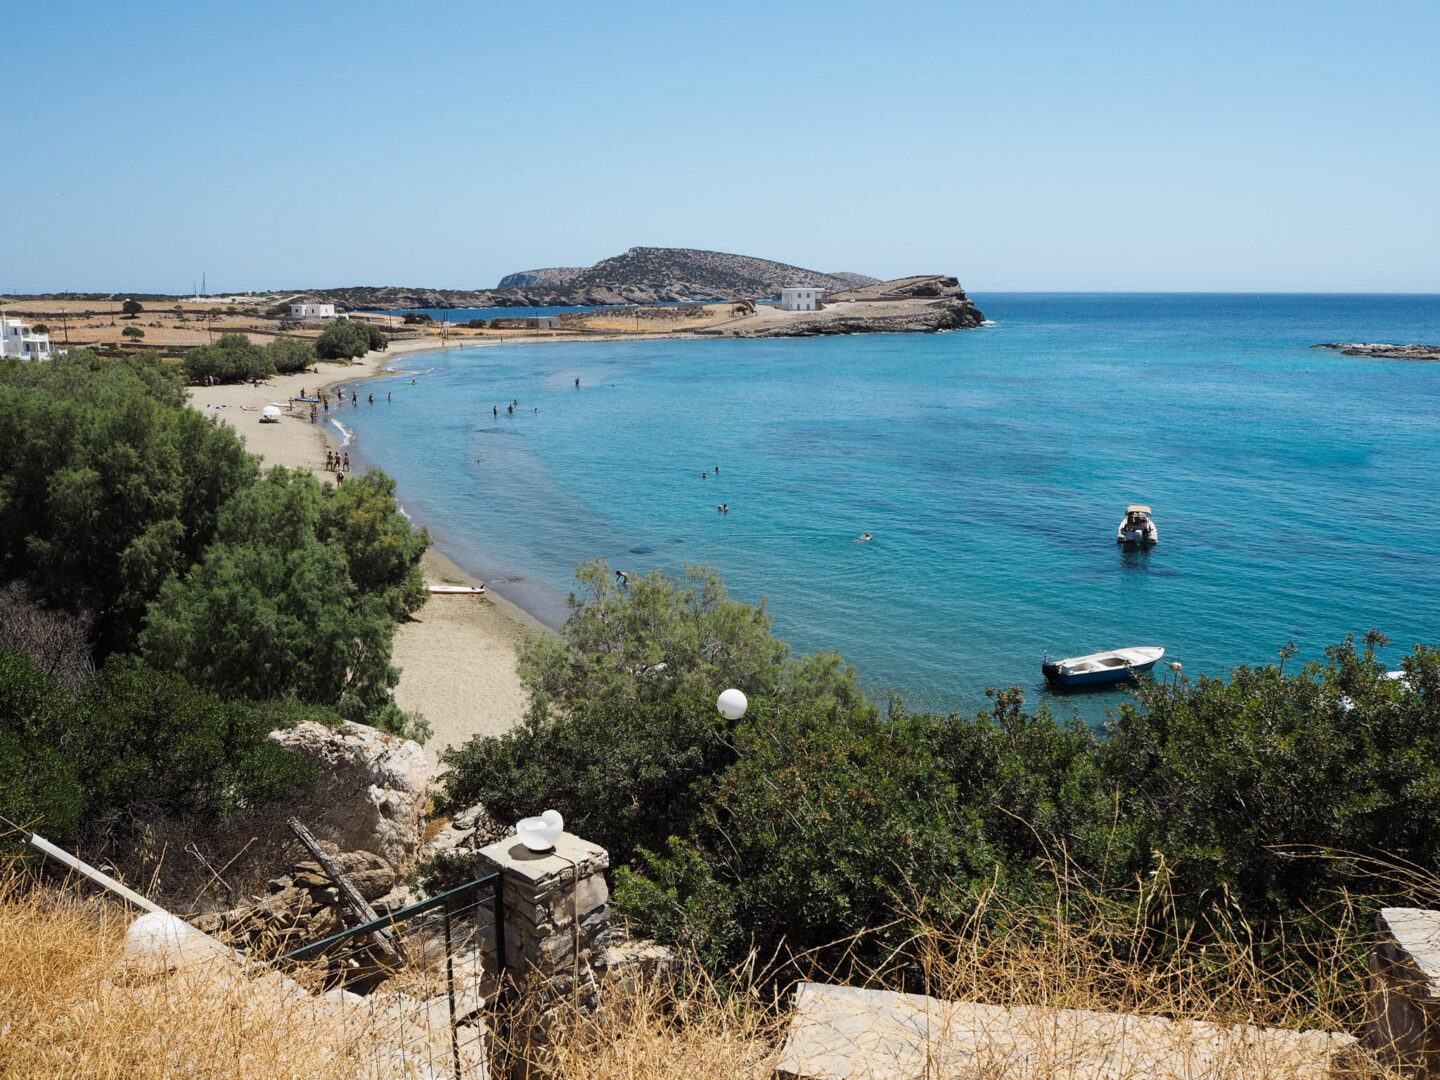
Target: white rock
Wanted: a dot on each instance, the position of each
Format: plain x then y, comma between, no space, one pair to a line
375,787
159,942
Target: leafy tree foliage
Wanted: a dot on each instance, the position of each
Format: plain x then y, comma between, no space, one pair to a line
659,636
108,485
345,339
132,332
413,318
131,744
234,358
810,817
297,596
278,309
288,355
132,307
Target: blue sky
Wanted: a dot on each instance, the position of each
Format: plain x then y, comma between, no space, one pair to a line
1023,146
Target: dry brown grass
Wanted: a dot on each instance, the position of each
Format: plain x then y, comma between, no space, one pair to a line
65,1012
68,1009
1082,952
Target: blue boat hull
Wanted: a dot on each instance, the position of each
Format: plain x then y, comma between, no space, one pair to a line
1055,676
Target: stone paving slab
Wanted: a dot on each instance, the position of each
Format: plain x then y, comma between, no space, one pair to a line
847,1033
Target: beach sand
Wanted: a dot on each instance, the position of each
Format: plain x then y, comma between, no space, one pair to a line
457,655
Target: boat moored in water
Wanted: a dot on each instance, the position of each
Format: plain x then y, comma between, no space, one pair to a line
1102,668
1137,528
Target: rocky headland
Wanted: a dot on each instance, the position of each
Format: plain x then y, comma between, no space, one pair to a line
1383,350
924,304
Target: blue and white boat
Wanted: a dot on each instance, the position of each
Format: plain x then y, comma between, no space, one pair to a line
1101,668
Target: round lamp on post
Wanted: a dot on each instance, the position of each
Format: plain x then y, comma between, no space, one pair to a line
732,704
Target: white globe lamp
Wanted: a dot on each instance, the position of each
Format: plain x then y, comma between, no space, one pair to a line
732,704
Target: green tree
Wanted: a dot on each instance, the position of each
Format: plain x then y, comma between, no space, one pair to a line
108,484
662,635
285,355
234,358
132,744
132,307
297,597
345,339
132,332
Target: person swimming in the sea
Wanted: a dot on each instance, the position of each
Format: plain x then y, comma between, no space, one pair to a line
863,537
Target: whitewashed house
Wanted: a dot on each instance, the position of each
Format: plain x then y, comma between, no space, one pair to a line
17,339
800,299
308,310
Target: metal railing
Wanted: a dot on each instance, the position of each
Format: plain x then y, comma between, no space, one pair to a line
449,947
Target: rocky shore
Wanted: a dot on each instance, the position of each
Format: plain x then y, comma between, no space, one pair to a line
1383,350
925,304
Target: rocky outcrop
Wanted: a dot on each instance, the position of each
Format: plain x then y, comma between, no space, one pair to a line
913,305
374,786
1384,350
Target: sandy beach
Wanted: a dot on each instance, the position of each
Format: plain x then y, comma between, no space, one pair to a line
457,655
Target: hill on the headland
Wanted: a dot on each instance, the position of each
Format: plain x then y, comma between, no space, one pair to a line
698,275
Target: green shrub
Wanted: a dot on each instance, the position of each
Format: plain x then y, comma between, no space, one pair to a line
288,355
109,484
234,358
131,745
345,339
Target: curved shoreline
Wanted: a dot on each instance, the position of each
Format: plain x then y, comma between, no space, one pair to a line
457,653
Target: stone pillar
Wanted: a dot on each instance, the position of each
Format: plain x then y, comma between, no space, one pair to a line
557,909
1404,1005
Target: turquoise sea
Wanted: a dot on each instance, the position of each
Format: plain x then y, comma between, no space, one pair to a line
1295,489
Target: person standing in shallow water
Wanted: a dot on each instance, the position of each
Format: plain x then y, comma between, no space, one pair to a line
495,409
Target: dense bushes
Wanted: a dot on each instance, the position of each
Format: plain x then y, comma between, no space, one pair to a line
108,485
345,339
297,596
131,744
815,816
122,504
234,358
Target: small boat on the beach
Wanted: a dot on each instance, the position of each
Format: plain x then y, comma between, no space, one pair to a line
1101,668
456,590
1137,528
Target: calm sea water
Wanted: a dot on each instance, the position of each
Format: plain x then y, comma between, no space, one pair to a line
1295,489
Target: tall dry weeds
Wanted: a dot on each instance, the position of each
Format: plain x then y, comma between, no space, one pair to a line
68,1010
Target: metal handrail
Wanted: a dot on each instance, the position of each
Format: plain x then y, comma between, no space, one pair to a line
444,900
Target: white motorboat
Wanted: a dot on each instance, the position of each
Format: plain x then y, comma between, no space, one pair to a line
1137,528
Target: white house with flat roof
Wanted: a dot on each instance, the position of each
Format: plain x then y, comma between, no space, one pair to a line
300,309
17,339
800,299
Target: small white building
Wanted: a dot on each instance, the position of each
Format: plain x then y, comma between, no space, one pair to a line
17,339
800,299
305,310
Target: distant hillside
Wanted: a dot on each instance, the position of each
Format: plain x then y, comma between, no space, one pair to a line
683,274
549,278
643,275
